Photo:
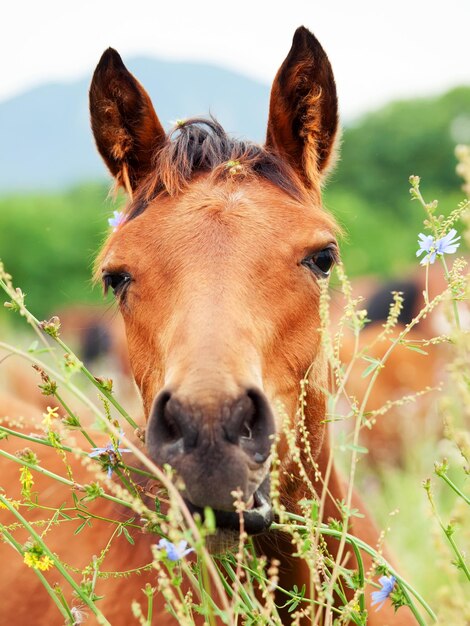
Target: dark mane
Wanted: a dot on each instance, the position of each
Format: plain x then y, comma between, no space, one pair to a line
202,145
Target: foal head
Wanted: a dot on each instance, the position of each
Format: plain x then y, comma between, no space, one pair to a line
216,270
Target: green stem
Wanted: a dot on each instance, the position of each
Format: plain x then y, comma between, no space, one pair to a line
461,561
149,607
72,388
360,567
264,580
46,442
80,428
240,591
412,607
127,484
99,615
454,303
366,548
448,532
453,486
205,590
61,479
38,327
107,394
77,509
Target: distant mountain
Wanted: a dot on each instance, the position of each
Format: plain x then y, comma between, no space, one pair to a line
45,137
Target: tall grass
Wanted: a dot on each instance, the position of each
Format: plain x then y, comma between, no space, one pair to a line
241,583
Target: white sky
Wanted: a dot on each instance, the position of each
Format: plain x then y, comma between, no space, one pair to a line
379,49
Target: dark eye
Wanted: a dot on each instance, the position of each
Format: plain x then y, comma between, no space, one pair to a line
322,261
117,281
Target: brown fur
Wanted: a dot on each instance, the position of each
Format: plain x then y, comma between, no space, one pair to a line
392,438
219,299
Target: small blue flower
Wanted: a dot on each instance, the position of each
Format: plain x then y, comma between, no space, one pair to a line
445,245
379,597
116,221
174,552
111,451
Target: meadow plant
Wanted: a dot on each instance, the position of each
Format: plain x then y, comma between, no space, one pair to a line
103,442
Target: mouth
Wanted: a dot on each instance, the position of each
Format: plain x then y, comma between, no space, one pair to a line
256,520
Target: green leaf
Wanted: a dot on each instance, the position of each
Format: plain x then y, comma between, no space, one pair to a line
374,364
356,447
82,526
369,359
127,535
416,349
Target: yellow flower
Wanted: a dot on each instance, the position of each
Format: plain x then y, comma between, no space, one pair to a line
50,415
14,503
42,562
27,482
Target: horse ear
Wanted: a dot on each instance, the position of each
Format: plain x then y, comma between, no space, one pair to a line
126,128
303,111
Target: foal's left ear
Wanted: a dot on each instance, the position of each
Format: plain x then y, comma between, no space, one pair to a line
303,112
126,128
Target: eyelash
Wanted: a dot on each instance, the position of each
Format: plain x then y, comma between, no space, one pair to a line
321,265
117,281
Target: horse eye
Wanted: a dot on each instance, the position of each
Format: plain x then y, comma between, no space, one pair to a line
117,281
321,262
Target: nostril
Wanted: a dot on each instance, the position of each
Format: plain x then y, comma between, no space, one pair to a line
250,425
261,420
170,429
259,425
164,431
238,419
163,424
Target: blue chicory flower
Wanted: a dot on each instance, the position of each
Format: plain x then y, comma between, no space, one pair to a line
110,450
174,552
116,221
433,247
379,597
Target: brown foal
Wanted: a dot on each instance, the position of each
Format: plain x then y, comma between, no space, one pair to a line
216,269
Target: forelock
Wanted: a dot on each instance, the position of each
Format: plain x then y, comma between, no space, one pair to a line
200,145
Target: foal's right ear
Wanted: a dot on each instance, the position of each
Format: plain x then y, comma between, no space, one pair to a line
126,128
